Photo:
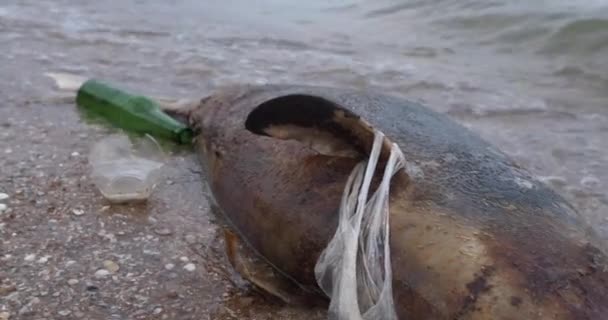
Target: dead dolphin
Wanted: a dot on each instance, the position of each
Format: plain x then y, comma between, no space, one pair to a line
473,235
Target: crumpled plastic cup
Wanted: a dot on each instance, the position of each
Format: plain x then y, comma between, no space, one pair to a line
126,170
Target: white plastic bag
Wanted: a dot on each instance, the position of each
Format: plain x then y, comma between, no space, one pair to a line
355,268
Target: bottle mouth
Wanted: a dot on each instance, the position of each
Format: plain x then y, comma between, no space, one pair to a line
185,136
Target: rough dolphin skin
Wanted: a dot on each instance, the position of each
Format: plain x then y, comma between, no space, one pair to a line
473,235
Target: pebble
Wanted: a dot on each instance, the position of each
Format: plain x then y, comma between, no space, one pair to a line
162,231
169,266
30,257
111,266
3,196
73,282
190,267
3,207
157,310
44,259
102,273
77,212
64,313
184,259
75,154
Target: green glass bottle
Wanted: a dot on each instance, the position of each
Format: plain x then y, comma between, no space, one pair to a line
131,112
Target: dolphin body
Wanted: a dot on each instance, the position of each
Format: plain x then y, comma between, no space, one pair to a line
472,234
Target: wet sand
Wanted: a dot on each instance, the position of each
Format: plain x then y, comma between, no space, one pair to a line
68,254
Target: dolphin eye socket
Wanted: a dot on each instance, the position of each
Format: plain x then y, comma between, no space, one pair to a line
321,124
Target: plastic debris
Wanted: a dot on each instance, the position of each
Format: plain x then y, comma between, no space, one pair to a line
355,268
125,170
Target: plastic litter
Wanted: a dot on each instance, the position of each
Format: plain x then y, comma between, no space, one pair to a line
124,169
355,268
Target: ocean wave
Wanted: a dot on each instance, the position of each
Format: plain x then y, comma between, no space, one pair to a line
554,28
586,36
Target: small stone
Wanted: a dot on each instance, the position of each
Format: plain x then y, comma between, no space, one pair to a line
44,259
75,154
3,196
7,151
162,231
151,252
111,266
77,212
169,266
157,310
190,267
101,273
184,259
30,257
64,313
73,282
3,207
69,263
104,208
